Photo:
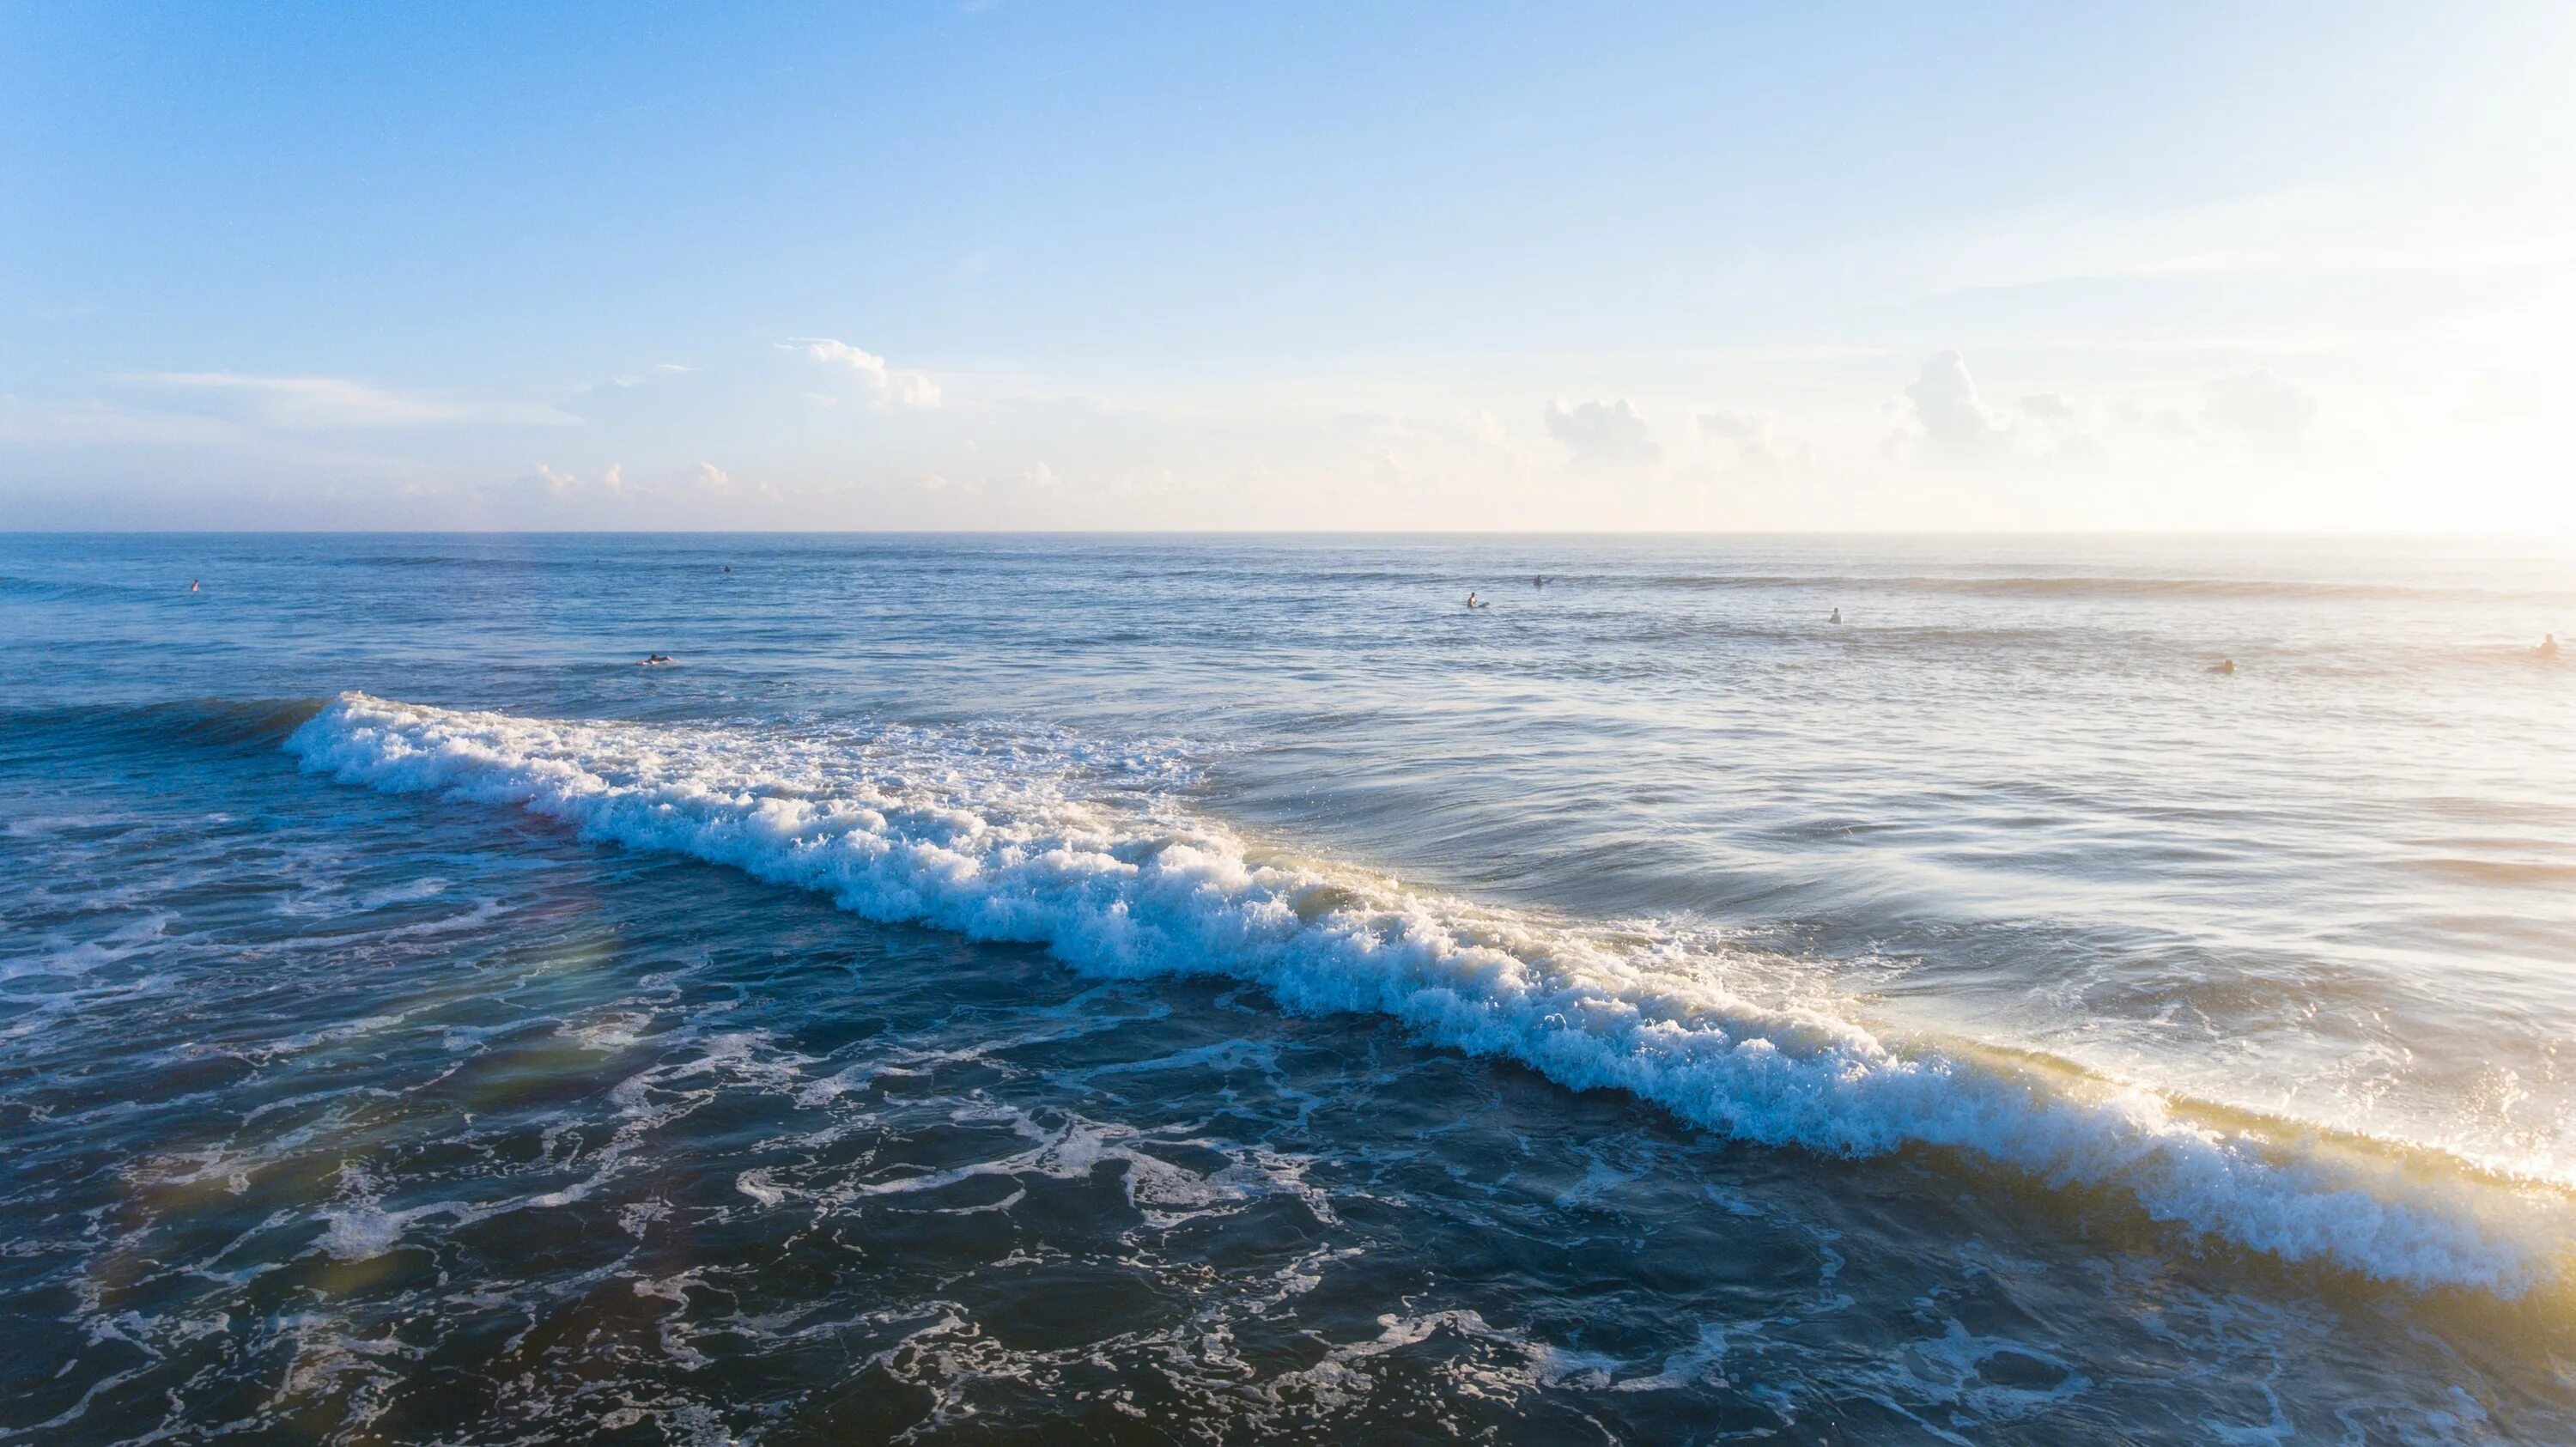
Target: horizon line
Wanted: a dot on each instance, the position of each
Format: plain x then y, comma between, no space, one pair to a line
2567,535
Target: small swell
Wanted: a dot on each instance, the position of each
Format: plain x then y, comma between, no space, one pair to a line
963,837
60,590
220,721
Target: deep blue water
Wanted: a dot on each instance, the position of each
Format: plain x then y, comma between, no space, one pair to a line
1167,989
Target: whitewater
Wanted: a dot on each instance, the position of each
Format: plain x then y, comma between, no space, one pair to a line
956,839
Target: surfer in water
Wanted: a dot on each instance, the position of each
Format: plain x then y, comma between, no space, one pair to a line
2548,646
192,585
1539,582
1472,603
652,660
2224,665
1837,618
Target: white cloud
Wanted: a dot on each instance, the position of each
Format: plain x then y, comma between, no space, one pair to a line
2259,404
1612,431
1741,428
887,386
709,480
556,483
1953,421
315,403
1759,448
698,485
1942,417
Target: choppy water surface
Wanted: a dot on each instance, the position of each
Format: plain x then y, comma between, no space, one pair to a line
1159,990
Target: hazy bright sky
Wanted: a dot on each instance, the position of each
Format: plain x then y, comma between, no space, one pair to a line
1012,264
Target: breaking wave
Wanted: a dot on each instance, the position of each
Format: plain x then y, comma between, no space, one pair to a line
1075,849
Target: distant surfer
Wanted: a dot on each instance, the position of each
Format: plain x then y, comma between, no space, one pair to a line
2224,665
1539,582
652,660
2548,645
1837,618
728,567
192,585
1472,601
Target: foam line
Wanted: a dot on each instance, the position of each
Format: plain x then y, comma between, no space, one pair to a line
996,844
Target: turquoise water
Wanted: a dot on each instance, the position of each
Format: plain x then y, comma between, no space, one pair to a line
1137,988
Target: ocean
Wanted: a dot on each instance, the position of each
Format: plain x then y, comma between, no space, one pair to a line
1167,989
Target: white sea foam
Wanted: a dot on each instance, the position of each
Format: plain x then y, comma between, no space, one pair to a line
981,840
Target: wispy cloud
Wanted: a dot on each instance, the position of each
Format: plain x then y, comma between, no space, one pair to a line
888,386
86,422
659,370
316,403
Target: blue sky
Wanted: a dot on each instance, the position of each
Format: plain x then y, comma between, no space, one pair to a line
1012,264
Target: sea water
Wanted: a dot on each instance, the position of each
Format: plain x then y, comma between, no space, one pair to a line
1162,989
